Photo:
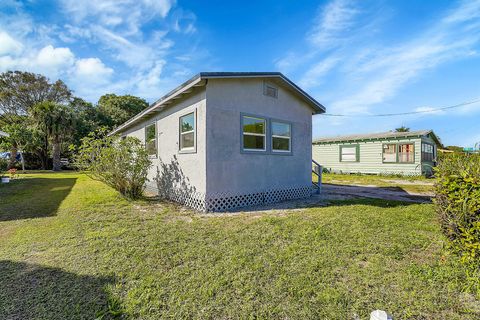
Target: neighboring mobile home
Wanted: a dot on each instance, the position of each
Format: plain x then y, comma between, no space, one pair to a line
405,153
223,140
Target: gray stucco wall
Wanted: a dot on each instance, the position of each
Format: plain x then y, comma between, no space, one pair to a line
178,172
229,170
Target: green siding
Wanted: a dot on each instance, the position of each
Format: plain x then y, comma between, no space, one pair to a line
371,158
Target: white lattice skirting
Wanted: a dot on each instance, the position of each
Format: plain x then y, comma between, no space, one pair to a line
228,201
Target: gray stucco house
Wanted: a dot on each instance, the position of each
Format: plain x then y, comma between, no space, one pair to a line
223,140
406,153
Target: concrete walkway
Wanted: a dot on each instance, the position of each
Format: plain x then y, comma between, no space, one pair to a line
341,192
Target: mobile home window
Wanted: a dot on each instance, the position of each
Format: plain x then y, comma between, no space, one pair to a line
151,140
406,153
281,137
348,153
254,133
389,153
427,152
187,132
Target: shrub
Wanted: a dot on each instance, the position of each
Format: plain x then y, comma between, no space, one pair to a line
3,166
457,202
121,163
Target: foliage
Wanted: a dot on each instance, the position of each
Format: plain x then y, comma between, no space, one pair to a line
118,109
151,260
458,205
20,91
57,121
3,166
121,163
455,148
402,129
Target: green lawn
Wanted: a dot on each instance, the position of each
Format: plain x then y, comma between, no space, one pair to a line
410,184
71,248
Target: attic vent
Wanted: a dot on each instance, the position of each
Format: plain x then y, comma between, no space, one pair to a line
270,90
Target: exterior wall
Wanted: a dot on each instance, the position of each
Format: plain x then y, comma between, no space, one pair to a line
371,156
175,175
236,178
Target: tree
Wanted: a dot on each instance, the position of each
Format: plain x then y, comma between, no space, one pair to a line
20,136
402,129
19,92
57,121
118,109
455,148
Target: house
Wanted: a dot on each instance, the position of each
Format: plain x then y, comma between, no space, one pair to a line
223,140
4,134
405,153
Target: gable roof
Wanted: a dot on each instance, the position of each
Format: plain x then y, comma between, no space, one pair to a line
379,136
4,134
201,79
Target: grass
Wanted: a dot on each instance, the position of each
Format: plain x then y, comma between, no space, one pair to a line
71,248
411,184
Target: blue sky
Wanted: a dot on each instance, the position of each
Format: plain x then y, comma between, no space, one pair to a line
356,57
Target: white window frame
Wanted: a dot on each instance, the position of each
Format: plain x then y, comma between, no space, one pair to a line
264,135
281,137
395,153
181,134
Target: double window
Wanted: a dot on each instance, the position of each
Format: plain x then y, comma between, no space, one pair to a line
428,153
401,153
187,132
349,153
151,139
255,132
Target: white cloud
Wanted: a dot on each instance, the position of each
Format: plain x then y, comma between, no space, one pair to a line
8,45
332,23
112,13
315,75
92,69
54,58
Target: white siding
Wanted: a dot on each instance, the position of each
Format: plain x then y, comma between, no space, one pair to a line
371,155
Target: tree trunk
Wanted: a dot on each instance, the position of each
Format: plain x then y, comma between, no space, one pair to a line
57,166
13,157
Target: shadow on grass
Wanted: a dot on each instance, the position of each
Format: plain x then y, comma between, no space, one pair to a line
33,198
30,291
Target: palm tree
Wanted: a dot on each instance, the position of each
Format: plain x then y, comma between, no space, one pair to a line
57,122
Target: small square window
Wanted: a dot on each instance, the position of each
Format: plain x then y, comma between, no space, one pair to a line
389,153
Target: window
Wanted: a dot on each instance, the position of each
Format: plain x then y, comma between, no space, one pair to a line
253,133
151,140
187,132
406,153
349,153
270,90
428,153
281,137
389,153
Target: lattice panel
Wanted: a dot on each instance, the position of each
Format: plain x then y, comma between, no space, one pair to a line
193,200
225,202
273,196
228,201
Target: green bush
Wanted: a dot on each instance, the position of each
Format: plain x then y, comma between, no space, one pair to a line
121,163
457,202
3,166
